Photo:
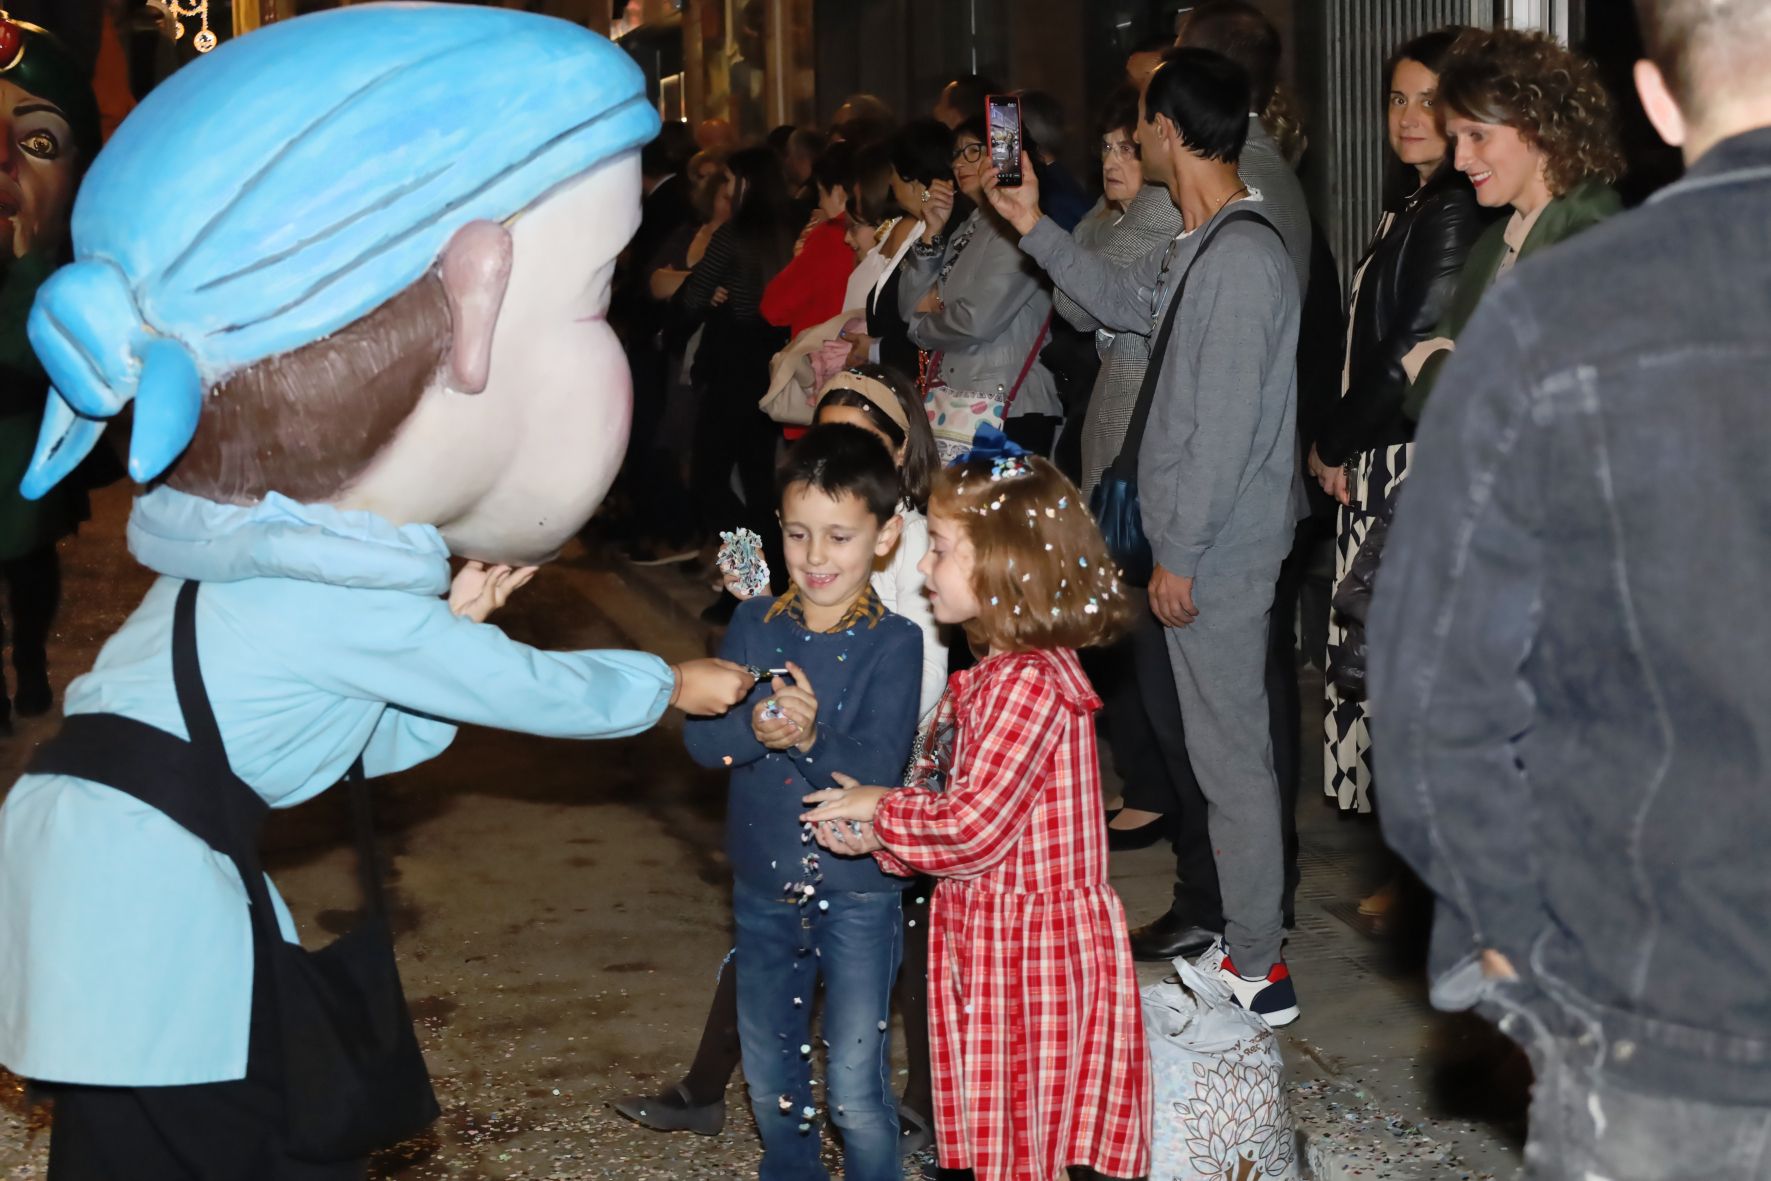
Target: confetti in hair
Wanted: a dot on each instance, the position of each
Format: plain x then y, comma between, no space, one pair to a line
1049,584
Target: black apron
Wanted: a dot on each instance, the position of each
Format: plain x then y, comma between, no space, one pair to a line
334,1070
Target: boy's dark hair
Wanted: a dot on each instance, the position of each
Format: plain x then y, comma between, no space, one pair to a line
835,168
1205,95
1241,32
841,460
922,151
1706,47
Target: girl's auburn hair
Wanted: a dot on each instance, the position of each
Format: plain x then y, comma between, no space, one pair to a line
1042,574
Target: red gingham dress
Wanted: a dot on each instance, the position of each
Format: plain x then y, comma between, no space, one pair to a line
1037,1037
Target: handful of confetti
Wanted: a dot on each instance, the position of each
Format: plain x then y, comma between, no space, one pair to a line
772,711
741,560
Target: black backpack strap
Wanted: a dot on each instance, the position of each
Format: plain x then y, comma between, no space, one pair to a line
187,677
1126,463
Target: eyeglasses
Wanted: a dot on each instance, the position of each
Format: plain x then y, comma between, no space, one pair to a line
1124,149
971,153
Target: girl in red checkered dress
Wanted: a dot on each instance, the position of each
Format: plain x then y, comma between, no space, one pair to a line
1038,1043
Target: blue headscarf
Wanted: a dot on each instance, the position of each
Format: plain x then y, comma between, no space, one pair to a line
285,185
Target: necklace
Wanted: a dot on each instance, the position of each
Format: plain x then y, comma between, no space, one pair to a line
1168,258
1242,191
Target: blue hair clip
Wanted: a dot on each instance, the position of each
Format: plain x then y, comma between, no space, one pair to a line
990,443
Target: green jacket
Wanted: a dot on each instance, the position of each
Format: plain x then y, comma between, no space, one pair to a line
1586,205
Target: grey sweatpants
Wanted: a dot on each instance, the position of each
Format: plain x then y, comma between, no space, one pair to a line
1219,663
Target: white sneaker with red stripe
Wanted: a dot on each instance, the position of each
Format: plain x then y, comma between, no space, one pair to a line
1272,997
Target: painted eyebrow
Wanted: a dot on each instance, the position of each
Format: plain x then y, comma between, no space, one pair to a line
39,108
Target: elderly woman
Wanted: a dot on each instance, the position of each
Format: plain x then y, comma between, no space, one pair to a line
1535,132
980,309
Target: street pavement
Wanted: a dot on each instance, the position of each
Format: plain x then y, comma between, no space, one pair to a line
562,910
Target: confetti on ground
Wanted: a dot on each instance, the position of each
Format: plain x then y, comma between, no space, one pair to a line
1348,1134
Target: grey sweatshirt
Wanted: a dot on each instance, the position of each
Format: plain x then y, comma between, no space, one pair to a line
1219,457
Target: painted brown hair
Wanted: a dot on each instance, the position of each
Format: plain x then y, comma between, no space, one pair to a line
307,423
1043,576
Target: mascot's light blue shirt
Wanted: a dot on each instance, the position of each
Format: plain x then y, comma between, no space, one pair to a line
125,948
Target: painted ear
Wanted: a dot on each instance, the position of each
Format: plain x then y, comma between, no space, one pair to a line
476,273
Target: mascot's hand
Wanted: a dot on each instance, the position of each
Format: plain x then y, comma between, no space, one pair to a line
480,589
707,688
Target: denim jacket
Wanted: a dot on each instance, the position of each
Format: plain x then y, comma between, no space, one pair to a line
1570,661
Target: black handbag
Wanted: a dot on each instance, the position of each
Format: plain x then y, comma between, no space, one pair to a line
1115,502
353,1076
1352,605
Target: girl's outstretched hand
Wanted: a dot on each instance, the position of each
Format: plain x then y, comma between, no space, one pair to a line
850,801
479,589
708,688
849,838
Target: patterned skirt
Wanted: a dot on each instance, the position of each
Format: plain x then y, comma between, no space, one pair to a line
1347,770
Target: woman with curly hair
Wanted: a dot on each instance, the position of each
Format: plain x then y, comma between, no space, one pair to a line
1534,129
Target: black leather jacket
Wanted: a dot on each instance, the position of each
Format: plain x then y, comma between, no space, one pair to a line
1412,273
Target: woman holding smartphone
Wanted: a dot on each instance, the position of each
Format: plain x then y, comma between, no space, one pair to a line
978,306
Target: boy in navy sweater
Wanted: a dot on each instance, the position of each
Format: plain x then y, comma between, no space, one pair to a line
848,705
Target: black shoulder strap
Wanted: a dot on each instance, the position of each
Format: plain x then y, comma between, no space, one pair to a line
1134,435
205,737
187,678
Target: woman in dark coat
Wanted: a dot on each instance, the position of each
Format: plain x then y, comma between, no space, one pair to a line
1400,293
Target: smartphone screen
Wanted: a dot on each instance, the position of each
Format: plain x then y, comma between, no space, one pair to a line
1003,117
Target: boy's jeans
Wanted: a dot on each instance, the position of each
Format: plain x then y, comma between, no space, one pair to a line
784,950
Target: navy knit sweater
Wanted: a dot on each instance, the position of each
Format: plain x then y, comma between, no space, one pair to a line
866,679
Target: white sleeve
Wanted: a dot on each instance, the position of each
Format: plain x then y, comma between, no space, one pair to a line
900,587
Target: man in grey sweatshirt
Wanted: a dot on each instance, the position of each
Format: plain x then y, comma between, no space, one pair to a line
1215,472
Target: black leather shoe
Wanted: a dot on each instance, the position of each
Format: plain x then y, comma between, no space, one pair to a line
673,1112
1143,836
1168,938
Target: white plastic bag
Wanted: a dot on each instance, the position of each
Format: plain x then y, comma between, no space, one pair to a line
1221,1113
